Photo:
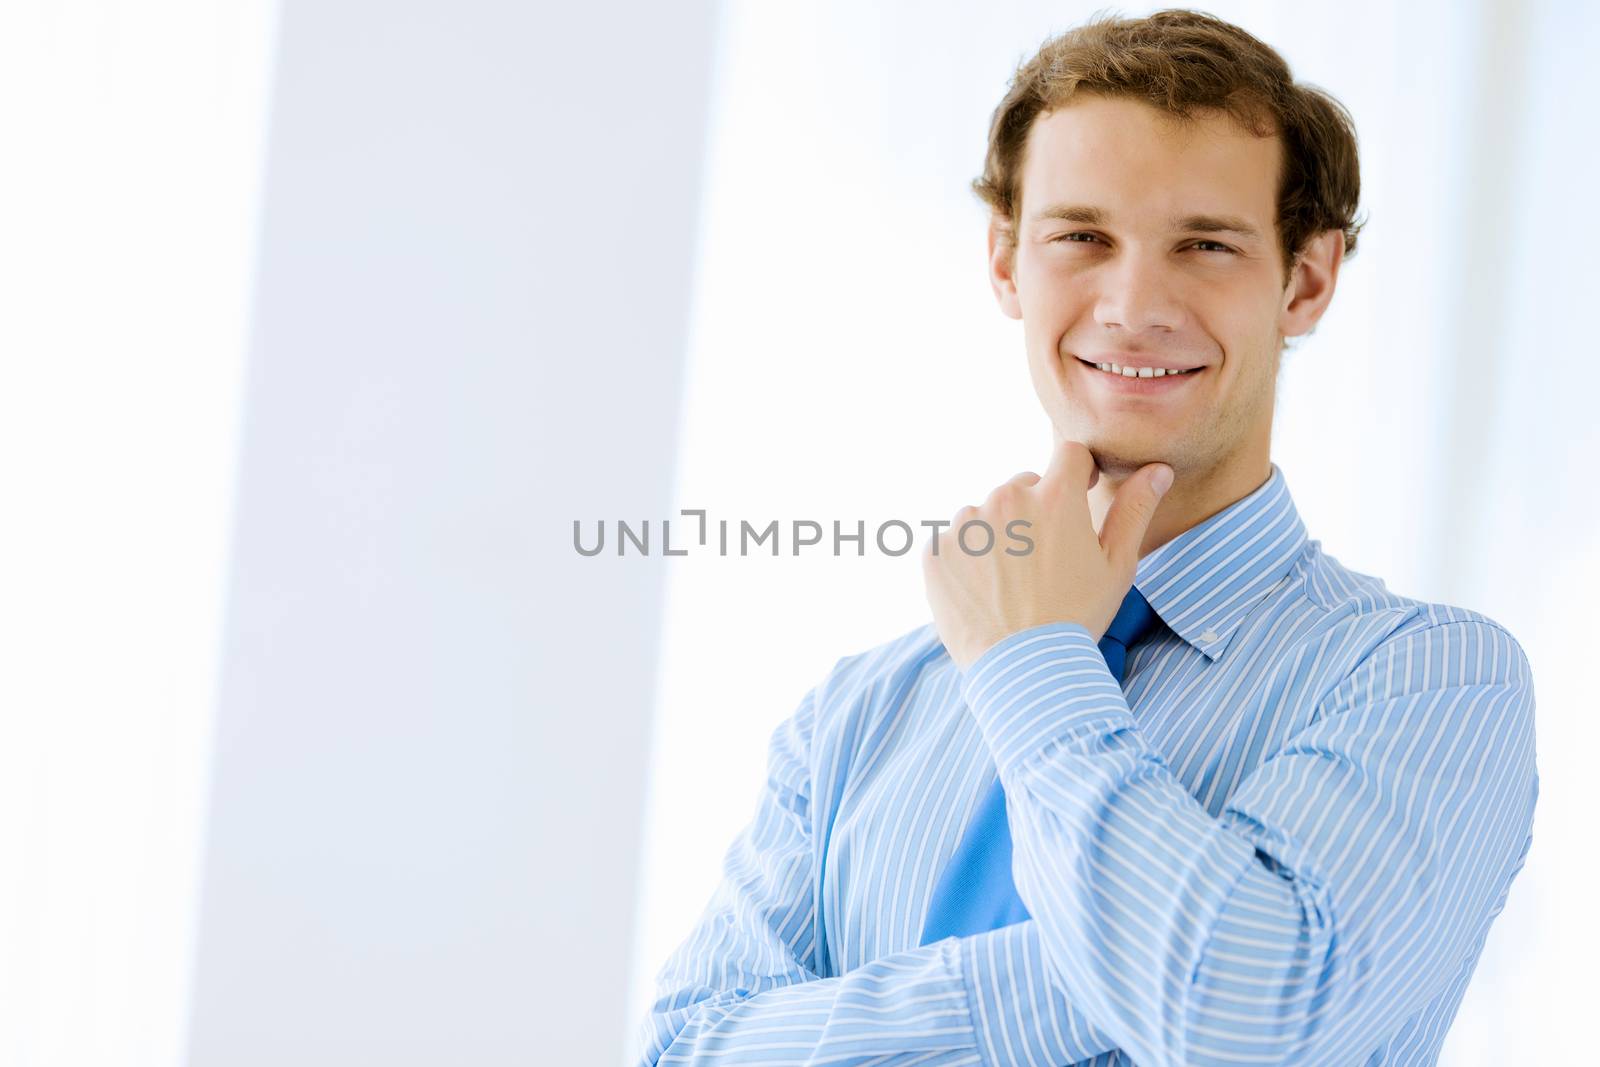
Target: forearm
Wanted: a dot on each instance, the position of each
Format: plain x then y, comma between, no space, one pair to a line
985,999
1346,878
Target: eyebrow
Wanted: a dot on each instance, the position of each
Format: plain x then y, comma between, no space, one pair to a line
1093,216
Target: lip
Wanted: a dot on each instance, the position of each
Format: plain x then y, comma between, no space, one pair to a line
1122,384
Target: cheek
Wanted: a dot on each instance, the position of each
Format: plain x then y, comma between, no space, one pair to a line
1047,287
1044,364
1046,371
1248,372
1244,327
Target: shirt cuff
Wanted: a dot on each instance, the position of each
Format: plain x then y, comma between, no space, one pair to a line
1046,683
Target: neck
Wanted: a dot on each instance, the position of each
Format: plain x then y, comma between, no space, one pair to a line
1195,496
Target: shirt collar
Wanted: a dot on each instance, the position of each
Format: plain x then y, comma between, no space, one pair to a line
1204,582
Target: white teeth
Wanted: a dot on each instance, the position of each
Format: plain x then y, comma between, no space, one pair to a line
1141,372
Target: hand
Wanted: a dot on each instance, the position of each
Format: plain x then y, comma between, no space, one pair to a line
1069,575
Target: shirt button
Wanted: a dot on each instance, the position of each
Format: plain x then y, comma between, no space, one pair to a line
1209,635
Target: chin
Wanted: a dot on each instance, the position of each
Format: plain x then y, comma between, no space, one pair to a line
1117,460
1115,454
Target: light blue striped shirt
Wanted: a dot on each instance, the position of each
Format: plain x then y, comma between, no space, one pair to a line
1283,841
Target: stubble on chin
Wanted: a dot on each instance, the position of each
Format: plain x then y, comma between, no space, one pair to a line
1114,465
1111,460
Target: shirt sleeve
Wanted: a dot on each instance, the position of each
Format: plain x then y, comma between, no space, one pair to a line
1350,877
744,987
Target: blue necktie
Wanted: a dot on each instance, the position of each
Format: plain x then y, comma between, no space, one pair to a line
976,892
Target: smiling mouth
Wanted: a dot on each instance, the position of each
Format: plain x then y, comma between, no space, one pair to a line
1143,384
1117,371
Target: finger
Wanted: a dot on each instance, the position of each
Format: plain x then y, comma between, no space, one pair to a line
1008,490
1070,465
1130,513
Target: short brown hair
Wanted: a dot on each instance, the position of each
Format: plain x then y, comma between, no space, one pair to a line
1183,61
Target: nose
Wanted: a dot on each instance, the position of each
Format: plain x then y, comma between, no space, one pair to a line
1138,293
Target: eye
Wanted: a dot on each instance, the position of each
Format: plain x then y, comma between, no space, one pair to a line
1083,237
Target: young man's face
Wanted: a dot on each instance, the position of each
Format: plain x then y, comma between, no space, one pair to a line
1154,279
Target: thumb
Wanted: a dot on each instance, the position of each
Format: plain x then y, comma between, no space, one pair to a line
1131,511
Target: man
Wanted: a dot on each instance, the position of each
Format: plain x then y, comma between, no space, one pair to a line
1173,787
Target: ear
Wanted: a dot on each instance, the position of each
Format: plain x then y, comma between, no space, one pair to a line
1310,288
1002,265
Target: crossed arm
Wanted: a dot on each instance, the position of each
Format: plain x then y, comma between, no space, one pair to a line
744,987
1346,882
